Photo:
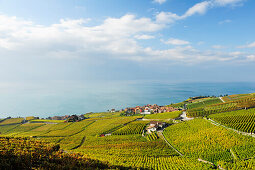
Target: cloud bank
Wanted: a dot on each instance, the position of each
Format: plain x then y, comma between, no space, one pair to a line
116,38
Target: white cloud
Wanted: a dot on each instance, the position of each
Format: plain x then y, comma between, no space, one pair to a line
251,57
144,37
251,45
226,2
199,8
167,17
159,1
113,35
225,21
114,38
174,41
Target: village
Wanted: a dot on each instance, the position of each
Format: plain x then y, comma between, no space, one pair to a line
148,109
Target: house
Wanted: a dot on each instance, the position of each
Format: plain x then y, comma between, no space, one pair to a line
56,118
73,118
138,110
113,111
155,125
146,111
151,129
81,117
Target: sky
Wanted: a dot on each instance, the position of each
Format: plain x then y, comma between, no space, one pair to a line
60,45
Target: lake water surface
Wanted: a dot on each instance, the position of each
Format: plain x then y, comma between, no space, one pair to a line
82,97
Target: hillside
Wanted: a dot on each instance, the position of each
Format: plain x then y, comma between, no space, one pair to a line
221,135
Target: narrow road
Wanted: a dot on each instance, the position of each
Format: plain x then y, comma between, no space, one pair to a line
201,160
233,154
221,99
170,144
240,132
184,116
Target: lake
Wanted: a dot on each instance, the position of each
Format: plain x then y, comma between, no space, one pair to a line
77,98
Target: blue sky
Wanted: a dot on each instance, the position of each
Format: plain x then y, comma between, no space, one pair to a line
53,44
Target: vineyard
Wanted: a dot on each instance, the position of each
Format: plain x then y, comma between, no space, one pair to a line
23,128
7,128
242,103
135,151
237,97
166,115
152,136
200,139
24,153
111,141
242,120
11,121
238,164
45,121
204,103
103,115
131,128
94,128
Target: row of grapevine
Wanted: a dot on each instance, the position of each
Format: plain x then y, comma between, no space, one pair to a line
242,120
11,121
152,136
204,103
199,138
135,151
131,128
25,153
98,127
242,103
238,164
166,115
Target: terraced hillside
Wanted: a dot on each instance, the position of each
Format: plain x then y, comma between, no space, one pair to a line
198,138
240,103
167,115
241,120
122,141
